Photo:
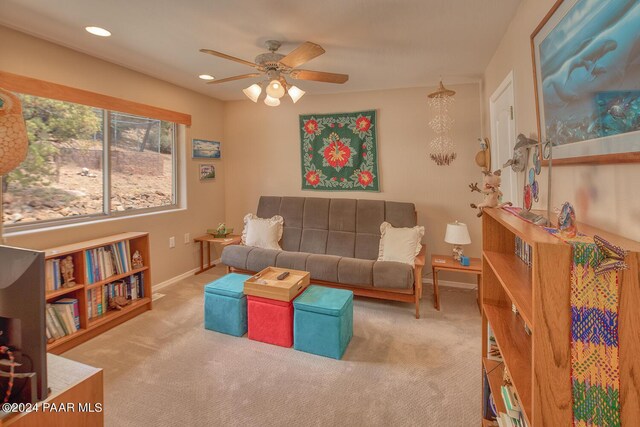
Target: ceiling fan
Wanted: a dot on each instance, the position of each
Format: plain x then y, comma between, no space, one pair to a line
276,66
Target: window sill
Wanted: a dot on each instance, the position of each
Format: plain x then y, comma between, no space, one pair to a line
80,222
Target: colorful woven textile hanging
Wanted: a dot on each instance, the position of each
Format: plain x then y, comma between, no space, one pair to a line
595,369
339,152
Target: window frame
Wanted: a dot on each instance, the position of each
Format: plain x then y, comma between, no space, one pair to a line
44,89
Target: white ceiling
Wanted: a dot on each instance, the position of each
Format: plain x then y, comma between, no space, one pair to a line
381,44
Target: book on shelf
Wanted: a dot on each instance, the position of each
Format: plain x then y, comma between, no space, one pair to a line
523,251
104,262
73,302
514,415
53,276
63,318
488,410
493,352
131,287
510,402
504,420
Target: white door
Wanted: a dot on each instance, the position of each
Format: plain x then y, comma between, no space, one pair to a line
503,137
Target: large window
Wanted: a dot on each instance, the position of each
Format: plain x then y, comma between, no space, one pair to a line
85,161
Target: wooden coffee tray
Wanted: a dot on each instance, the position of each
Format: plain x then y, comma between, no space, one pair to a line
281,290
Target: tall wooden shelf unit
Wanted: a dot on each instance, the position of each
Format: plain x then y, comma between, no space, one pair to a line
90,327
540,363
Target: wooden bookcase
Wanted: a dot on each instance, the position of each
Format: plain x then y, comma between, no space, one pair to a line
90,327
540,363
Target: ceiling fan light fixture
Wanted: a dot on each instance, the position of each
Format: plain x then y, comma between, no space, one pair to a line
253,92
296,93
270,101
275,89
206,77
98,31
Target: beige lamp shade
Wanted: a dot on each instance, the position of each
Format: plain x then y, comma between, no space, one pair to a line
13,134
457,234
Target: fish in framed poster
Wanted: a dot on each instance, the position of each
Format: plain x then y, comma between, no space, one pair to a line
204,149
586,56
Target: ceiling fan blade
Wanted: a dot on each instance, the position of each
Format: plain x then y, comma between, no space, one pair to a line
230,79
319,76
229,57
303,53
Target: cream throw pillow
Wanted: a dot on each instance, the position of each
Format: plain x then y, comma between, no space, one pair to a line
262,233
400,244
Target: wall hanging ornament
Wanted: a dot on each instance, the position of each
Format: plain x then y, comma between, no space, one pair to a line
442,147
338,151
13,139
13,134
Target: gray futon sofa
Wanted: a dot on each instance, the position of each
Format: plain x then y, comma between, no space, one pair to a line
336,240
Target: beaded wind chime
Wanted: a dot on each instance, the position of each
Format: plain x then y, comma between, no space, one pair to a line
442,148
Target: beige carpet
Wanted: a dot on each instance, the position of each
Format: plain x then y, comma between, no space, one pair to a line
164,369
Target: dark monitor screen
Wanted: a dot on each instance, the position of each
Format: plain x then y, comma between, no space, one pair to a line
22,320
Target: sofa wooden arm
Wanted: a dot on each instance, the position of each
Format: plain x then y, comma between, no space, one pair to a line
419,261
417,275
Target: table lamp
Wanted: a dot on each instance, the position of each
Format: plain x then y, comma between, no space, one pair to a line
457,234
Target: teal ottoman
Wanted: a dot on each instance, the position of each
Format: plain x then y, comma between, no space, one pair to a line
323,321
225,305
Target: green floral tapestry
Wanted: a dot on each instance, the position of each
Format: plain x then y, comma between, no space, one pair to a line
339,151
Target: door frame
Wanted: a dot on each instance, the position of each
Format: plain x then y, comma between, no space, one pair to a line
508,81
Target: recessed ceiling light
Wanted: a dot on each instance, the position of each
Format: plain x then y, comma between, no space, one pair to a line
97,31
206,77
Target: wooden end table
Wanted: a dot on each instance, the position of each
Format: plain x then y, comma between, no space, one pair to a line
231,239
447,263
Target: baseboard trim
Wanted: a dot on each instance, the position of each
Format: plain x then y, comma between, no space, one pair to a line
450,284
179,277
173,280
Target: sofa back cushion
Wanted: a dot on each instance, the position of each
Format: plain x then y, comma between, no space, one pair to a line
342,227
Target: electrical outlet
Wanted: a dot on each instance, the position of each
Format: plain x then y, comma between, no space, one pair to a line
187,238
172,242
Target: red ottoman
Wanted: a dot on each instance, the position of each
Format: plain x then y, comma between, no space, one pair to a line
270,321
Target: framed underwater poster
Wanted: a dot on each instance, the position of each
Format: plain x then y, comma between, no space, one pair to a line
586,58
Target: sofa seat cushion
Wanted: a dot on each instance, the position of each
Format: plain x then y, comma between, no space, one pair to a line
259,259
292,260
236,256
330,268
323,267
392,275
355,272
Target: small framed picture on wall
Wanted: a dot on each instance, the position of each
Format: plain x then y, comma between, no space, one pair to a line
203,149
207,172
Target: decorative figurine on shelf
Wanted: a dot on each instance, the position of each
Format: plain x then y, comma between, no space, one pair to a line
118,303
520,157
567,221
491,190
66,269
136,260
612,257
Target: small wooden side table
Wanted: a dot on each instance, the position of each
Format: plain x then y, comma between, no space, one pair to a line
447,263
232,239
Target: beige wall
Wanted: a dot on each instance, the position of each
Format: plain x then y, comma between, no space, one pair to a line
29,56
262,152
602,195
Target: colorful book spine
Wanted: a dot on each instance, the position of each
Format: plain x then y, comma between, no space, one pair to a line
523,251
73,303
52,323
